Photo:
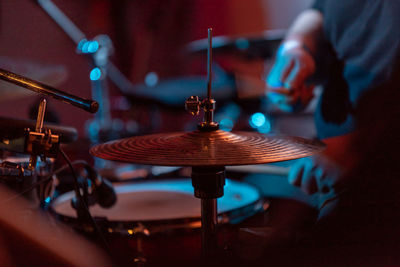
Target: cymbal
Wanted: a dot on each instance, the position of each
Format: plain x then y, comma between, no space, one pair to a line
198,148
258,45
11,128
48,74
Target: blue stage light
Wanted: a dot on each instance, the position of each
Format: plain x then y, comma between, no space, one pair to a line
151,79
226,124
95,74
257,120
92,46
81,44
85,47
265,128
260,122
227,116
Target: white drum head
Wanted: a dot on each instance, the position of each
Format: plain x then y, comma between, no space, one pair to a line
161,200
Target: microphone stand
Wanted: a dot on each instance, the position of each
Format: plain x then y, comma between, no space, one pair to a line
98,51
43,89
44,144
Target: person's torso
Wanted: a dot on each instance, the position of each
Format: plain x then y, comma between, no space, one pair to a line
365,38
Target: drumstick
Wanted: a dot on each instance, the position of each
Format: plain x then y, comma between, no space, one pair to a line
263,169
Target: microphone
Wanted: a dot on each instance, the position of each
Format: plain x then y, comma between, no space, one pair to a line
104,192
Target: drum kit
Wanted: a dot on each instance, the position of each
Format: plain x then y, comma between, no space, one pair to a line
147,208
155,217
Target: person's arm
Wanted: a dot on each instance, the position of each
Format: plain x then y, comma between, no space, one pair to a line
295,63
306,29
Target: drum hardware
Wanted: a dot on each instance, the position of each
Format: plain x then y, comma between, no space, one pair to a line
13,129
101,191
207,151
45,144
93,189
14,172
15,135
8,168
79,38
81,203
17,177
39,143
43,89
97,50
168,93
208,182
36,143
50,74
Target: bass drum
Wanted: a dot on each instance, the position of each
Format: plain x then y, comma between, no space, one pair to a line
159,221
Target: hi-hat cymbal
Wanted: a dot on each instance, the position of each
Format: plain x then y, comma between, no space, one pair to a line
198,148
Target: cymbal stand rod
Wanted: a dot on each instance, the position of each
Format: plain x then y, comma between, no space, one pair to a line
208,183
193,104
99,88
101,67
209,225
62,20
77,36
40,117
208,104
208,107
209,63
38,129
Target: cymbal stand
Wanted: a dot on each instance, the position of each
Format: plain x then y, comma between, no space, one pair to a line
39,143
98,51
208,182
43,89
98,74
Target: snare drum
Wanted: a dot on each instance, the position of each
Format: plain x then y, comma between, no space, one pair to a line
160,220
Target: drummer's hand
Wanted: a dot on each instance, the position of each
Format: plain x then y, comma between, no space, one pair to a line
315,174
286,81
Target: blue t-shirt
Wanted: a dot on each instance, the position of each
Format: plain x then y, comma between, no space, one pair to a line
363,44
